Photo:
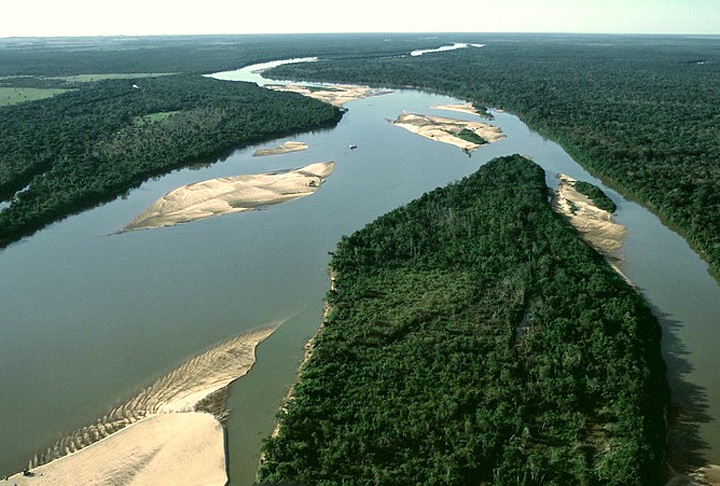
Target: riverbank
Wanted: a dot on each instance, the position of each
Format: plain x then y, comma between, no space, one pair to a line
449,130
596,226
229,195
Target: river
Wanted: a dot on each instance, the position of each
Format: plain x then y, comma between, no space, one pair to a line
89,317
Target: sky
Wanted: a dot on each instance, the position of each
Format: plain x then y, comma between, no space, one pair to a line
47,18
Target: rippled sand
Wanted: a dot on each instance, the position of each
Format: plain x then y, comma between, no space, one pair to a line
228,195
161,435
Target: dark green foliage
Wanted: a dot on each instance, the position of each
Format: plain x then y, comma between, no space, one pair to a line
471,136
86,146
473,337
598,197
643,112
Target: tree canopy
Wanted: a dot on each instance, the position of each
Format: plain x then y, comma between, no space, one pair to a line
473,337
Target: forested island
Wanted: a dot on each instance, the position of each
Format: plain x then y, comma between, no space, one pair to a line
472,337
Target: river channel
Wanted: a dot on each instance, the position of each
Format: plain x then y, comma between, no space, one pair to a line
88,316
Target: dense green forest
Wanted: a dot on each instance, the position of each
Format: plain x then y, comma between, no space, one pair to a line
596,195
642,112
33,60
473,337
88,145
69,152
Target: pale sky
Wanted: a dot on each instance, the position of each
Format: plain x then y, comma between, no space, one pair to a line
154,17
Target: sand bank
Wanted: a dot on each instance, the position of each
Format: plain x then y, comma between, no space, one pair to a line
336,95
160,433
709,474
705,476
228,195
595,225
285,148
172,449
446,130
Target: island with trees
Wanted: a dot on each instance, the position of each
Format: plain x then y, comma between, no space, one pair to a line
471,337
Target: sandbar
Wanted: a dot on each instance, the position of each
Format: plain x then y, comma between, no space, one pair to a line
595,225
228,195
336,95
162,435
285,148
446,130
172,449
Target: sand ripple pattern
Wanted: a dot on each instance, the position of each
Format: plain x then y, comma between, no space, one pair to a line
227,195
181,390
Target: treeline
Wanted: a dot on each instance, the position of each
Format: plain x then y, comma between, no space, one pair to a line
473,338
642,112
42,57
69,152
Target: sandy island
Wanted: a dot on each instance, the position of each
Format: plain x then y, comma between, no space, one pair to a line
228,195
336,95
595,225
446,130
161,436
285,148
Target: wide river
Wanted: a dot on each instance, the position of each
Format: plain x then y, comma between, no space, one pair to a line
87,318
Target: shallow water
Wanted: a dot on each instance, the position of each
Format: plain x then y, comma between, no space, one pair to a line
88,319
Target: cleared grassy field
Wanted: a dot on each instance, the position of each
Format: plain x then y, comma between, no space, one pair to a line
89,78
12,95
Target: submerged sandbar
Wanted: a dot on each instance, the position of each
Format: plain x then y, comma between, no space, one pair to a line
228,195
449,130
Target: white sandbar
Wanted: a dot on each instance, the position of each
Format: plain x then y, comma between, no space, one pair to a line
172,449
228,195
446,130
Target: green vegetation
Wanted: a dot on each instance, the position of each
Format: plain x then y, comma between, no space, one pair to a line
91,78
473,337
74,150
596,195
643,112
471,136
14,95
154,117
90,144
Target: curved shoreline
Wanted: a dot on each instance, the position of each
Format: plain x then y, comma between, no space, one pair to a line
163,425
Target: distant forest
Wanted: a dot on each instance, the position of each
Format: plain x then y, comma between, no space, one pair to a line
103,136
642,112
473,338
